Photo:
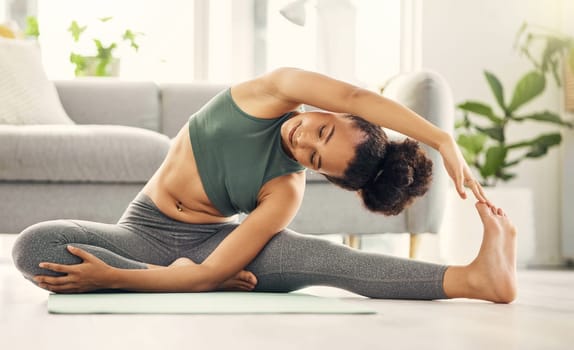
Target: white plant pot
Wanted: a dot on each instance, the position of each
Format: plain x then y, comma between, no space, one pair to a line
462,230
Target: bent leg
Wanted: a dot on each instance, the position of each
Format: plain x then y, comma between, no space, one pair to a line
292,261
114,244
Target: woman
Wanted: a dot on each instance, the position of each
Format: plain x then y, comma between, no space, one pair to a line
246,151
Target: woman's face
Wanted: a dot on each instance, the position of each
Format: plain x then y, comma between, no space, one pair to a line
320,141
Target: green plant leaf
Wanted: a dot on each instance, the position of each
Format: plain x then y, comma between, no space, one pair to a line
469,157
32,28
519,33
512,163
473,142
528,87
80,62
496,88
554,46
554,64
106,19
101,68
131,37
460,123
547,117
549,140
471,145
76,30
506,176
480,109
541,144
496,133
495,156
519,145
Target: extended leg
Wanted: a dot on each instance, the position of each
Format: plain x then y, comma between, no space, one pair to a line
291,261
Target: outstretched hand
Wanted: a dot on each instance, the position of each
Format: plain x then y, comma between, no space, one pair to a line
88,276
459,171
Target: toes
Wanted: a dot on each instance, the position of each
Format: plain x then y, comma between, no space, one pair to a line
247,276
500,212
483,210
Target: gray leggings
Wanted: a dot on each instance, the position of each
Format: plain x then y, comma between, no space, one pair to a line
288,262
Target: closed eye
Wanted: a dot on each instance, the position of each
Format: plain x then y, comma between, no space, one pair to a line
321,131
312,160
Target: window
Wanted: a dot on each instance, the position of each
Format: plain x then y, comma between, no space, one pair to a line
354,40
166,49
3,6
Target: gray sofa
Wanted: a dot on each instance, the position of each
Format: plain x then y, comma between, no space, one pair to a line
93,169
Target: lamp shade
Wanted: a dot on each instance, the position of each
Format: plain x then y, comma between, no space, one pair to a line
295,12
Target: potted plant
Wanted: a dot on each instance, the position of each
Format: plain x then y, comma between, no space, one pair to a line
557,50
103,63
483,139
482,136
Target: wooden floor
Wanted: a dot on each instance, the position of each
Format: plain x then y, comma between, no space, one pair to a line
541,318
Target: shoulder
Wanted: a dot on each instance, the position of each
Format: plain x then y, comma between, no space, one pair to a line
279,200
286,187
286,191
262,98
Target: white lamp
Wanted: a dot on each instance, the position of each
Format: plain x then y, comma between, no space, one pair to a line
295,12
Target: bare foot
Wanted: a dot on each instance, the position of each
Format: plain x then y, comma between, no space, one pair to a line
242,281
492,275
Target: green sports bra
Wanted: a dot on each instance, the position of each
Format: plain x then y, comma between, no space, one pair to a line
237,153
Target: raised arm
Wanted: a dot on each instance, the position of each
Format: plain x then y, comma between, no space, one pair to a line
295,86
304,87
279,201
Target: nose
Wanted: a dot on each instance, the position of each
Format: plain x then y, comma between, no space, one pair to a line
306,140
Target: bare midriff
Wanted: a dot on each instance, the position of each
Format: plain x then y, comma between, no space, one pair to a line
176,187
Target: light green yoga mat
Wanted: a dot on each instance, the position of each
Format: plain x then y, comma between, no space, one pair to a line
200,303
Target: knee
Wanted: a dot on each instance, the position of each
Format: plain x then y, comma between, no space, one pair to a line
44,241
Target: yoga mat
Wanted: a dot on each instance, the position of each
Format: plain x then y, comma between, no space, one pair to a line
200,303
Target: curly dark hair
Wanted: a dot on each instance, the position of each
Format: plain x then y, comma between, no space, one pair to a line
388,175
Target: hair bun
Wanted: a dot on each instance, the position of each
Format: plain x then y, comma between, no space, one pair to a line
404,173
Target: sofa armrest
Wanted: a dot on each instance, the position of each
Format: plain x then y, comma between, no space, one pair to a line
429,95
111,101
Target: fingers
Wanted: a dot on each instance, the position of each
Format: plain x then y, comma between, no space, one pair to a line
64,288
57,267
481,190
459,183
52,280
478,192
81,253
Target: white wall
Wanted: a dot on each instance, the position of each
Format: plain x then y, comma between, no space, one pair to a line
460,40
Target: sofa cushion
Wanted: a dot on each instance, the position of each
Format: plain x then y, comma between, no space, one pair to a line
108,101
26,94
80,153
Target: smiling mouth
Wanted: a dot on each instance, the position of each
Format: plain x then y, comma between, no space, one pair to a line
293,133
